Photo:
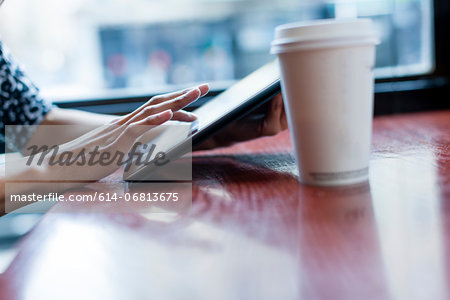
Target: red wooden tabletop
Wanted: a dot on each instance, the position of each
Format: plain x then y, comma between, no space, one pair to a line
254,232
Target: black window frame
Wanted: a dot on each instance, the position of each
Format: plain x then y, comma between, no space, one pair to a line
421,92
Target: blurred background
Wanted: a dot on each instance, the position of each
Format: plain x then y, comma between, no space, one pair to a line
75,49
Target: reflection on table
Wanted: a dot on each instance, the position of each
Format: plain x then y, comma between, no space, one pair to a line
254,232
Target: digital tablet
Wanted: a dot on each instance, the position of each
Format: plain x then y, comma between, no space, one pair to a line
238,100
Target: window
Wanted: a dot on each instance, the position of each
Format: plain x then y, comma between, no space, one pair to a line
85,49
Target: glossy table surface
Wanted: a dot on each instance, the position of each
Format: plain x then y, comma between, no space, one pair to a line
254,232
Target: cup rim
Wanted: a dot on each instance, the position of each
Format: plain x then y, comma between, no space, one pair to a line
322,44
323,33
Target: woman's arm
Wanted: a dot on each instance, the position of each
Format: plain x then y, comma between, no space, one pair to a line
74,123
117,136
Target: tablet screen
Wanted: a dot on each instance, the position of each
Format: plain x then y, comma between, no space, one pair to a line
236,95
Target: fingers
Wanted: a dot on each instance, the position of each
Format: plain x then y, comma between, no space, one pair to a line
284,122
272,123
179,102
173,105
138,128
156,119
204,89
174,101
184,116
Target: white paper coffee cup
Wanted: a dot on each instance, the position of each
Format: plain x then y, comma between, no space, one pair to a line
327,83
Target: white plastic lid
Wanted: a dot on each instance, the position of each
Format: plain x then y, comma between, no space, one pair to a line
325,32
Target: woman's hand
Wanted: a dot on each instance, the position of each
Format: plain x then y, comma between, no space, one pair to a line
273,121
70,165
122,133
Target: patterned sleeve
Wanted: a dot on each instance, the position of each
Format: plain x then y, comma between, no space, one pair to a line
21,104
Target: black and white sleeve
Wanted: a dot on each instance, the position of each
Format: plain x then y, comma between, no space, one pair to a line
21,104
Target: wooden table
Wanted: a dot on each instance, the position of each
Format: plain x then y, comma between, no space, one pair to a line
254,232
